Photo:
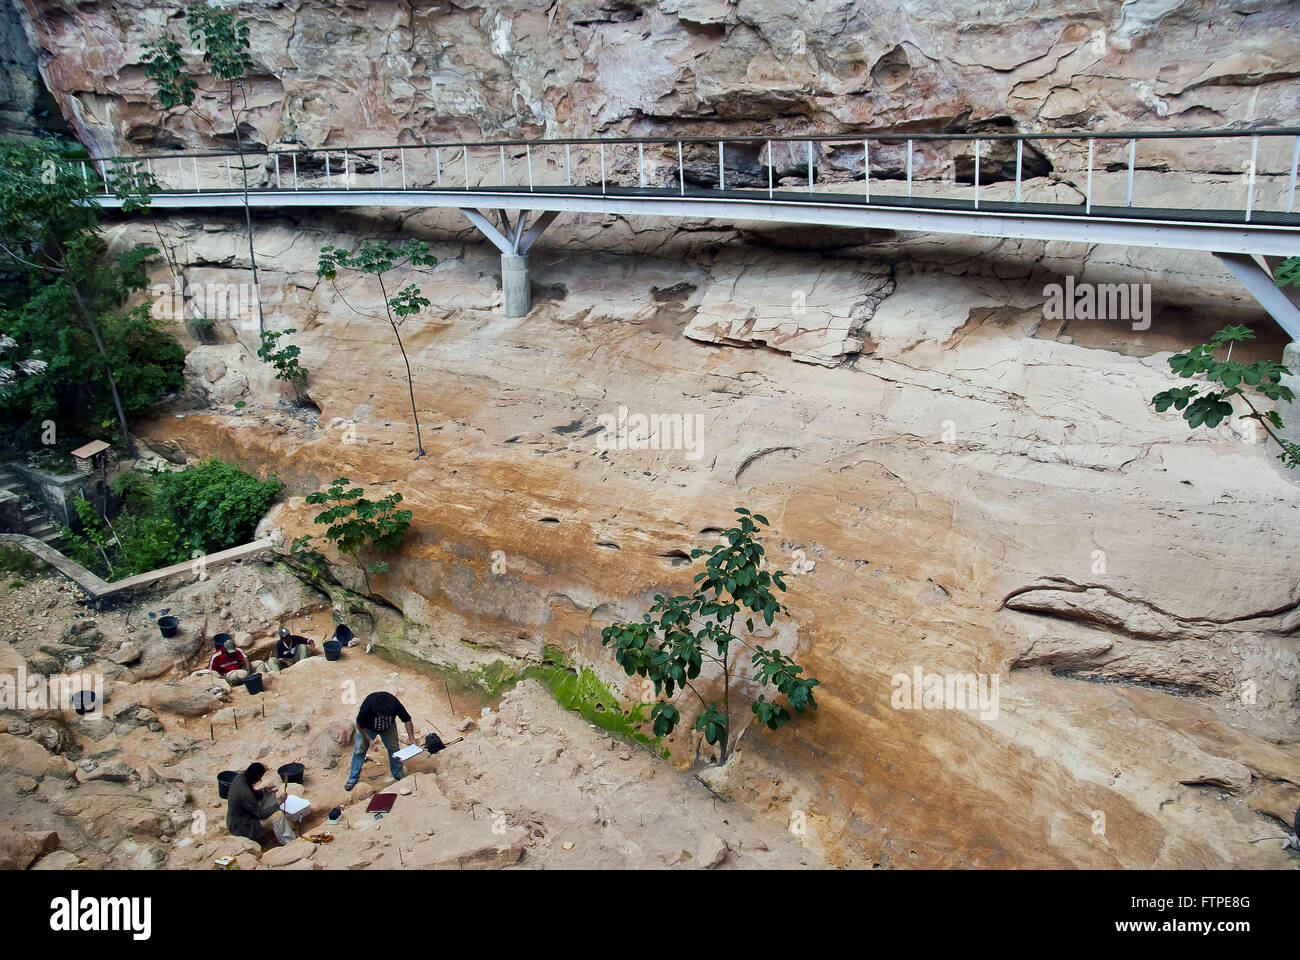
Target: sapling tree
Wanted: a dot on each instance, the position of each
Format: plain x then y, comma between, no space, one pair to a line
223,40
1235,379
672,642
352,522
283,358
377,258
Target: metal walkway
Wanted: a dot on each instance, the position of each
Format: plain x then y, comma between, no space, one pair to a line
866,183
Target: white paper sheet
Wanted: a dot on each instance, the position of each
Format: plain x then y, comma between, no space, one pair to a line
294,805
406,753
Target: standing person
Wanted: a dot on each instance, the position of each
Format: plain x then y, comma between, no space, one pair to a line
289,649
378,717
250,811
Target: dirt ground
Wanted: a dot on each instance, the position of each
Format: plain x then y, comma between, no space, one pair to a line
531,785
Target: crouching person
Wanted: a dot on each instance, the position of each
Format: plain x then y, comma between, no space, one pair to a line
231,664
250,811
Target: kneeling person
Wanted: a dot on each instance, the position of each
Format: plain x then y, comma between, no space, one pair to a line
250,811
289,649
378,718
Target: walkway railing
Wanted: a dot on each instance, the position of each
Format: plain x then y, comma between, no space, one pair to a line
1171,175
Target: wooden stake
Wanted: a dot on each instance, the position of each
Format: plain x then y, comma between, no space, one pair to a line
446,687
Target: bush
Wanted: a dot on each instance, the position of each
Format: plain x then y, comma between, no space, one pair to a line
167,516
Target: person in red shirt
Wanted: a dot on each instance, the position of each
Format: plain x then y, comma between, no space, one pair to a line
230,663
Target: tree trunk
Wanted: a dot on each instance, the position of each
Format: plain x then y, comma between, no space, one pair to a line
248,216
108,367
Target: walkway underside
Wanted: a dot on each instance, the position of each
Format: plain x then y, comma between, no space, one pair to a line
1216,231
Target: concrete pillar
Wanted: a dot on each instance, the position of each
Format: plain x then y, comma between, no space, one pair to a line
516,299
1289,411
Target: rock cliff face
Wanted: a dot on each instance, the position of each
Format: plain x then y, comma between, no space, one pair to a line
981,490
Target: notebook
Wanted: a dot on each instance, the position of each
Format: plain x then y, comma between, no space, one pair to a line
381,803
406,753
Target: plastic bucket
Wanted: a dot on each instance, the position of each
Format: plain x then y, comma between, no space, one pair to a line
168,626
83,701
332,648
291,773
253,683
220,639
343,634
224,780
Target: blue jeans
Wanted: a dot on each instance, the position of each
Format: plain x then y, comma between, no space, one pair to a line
389,737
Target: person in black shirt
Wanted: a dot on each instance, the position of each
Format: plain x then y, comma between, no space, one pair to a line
378,717
289,649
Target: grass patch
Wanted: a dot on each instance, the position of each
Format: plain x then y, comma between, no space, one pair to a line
17,561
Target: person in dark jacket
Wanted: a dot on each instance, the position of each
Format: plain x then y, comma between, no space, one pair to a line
289,649
377,719
249,811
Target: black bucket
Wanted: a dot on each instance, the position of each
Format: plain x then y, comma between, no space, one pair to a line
343,634
83,701
291,773
224,780
253,683
168,626
332,648
220,639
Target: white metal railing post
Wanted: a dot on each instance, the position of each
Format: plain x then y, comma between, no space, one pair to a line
229,183
909,168
180,169
277,170
977,174
329,180
381,169
295,171
602,167
1020,156
808,144
722,174
401,152
640,162
1295,162
866,170
464,154
1132,155
501,149
568,167
1087,196
681,170
194,166
347,172
437,167
770,168
528,149
103,172
1250,177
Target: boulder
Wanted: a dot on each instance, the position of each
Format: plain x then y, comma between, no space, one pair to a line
191,698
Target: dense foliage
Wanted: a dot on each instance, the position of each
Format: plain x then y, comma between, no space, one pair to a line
670,644
63,304
169,517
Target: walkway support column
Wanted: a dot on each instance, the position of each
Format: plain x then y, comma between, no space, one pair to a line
514,242
516,295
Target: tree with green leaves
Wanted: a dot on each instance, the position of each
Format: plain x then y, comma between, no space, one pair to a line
1236,379
283,358
55,265
672,642
377,258
353,521
223,40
